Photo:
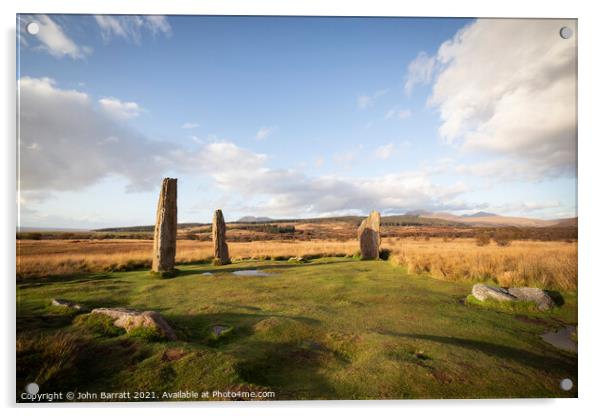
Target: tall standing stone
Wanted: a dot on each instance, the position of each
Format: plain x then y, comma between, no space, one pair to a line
368,234
164,245
218,233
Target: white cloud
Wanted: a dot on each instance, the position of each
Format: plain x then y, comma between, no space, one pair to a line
264,132
507,87
399,114
131,28
366,101
120,109
385,151
53,39
190,125
68,143
420,71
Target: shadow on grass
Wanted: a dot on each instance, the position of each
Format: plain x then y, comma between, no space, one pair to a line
565,363
293,371
74,278
197,327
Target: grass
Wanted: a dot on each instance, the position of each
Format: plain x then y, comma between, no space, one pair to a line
329,328
545,264
548,265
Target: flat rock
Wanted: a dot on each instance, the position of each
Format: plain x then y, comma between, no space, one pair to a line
483,292
129,319
66,304
533,294
524,294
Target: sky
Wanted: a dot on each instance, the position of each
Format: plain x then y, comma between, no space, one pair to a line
293,117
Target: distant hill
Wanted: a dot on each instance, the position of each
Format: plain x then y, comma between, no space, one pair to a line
250,218
484,219
480,214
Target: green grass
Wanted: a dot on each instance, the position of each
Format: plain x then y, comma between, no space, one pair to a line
333,328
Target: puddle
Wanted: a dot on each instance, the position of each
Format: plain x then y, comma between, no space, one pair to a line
561,338
218,329
207,274
258,273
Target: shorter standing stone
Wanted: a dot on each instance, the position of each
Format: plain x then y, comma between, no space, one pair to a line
221,255
368,234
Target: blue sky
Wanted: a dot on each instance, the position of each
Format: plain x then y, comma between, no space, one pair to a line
293,117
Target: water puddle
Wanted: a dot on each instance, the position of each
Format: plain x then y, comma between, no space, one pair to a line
256,273
207,274
561,338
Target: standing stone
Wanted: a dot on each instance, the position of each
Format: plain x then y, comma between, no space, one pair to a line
218,233
164,246
369,236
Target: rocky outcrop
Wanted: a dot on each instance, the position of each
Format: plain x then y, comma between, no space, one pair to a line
130,319
164,246
523,294
221,255
368,234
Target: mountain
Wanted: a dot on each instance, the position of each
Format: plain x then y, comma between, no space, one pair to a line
485,219
250,218
480,214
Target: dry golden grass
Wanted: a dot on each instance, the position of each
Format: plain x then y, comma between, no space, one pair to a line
523,263
60,257
533,263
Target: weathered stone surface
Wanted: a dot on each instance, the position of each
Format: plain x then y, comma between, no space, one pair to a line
368,234
533,294
525,294
218,233
164,246
129,319
66,304
483,292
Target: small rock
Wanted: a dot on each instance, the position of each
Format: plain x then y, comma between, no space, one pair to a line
66,304
129,319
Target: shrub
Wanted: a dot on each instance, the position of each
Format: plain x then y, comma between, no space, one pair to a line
502,239
384,254
483,239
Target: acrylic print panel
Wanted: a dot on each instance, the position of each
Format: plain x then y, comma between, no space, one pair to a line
295,208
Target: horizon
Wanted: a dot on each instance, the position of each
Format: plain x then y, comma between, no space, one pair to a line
293,117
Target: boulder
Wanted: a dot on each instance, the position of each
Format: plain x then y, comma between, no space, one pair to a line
368,235
221,255
66,304
130,319
483,292
524,294
164,244
533,294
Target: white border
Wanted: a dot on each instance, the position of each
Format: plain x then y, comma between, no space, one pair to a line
590,202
